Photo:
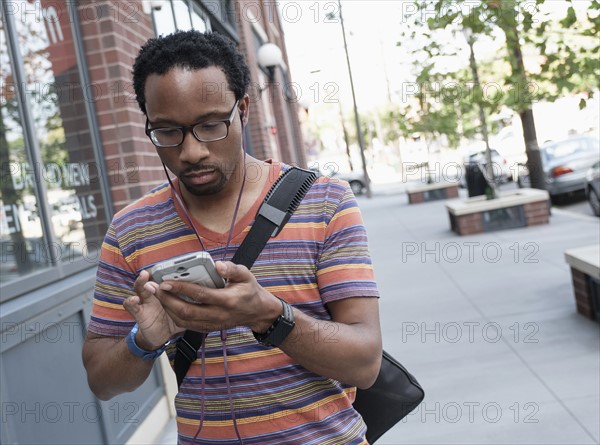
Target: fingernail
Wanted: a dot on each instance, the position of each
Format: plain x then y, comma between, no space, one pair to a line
166,286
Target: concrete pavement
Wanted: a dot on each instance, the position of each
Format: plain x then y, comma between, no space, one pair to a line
487,324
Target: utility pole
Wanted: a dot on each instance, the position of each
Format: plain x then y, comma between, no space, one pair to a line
346,140
361,142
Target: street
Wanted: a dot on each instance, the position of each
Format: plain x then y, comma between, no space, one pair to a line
577,203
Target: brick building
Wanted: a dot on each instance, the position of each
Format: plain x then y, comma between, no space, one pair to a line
73,152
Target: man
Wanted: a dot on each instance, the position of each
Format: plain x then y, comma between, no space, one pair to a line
192,88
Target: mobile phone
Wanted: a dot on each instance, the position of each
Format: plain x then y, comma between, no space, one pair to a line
197,267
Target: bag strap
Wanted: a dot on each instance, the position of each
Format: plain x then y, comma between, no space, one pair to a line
279,204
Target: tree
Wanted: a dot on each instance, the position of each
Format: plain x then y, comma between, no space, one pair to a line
569,65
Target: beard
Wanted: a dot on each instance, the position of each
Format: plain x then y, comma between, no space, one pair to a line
210,188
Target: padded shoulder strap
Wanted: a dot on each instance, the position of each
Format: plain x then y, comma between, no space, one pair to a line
281,202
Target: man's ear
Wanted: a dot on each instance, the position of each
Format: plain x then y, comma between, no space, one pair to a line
245,101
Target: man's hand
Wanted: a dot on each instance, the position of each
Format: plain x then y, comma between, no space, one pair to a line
243,302
155,325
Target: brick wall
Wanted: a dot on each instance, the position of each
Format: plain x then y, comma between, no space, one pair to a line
288,137
537,213
452,192
257,119
583,295
113,32
469,224
415,198
286,107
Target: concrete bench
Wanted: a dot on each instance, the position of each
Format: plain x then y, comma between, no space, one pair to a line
432,192
518,208
585,273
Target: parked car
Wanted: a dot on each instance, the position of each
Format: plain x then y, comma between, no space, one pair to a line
355,179
592,188
501,169
565,164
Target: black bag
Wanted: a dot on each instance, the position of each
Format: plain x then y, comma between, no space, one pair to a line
395,392
392,397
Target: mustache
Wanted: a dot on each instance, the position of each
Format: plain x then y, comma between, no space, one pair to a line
199,169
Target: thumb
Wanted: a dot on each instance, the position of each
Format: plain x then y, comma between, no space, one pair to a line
232,272
133,305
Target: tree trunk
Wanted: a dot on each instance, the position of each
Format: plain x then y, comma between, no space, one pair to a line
508,23
534,158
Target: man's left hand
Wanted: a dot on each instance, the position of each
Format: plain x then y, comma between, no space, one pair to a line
243,302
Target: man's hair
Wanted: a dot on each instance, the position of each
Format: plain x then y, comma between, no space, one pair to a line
191,50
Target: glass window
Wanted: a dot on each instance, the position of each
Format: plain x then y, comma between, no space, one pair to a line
229,11
67,171
200,22
164,20
182,15
21,236
569,147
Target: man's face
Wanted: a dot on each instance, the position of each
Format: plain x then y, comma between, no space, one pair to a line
184,97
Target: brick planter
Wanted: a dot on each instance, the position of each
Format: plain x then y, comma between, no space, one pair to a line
585,273
432,192
522,208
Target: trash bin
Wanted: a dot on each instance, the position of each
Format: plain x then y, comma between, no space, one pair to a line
476,183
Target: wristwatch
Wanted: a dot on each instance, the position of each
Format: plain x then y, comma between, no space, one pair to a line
280,328
139,352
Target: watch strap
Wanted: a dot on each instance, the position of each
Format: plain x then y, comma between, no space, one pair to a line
139,352
280,329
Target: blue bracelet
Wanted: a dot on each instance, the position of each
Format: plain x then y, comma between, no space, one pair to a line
139,352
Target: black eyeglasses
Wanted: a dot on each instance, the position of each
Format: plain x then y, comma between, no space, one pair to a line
209,131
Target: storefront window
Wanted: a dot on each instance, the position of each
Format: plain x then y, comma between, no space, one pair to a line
66,172
20,227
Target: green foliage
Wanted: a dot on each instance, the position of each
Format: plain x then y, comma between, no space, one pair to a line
568,51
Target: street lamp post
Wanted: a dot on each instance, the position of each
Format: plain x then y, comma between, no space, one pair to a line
361,142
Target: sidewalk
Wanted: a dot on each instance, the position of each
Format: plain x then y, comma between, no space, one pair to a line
487,323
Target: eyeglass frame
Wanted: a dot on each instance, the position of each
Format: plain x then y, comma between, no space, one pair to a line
187,128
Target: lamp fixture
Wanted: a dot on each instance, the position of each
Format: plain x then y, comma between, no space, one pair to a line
153,5
269,57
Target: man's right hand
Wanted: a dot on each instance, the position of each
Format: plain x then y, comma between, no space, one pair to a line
155,326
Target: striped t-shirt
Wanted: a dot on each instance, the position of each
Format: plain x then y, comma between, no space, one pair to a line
320,256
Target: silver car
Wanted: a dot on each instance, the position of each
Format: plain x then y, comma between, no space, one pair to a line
355,179
592,188
565,164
